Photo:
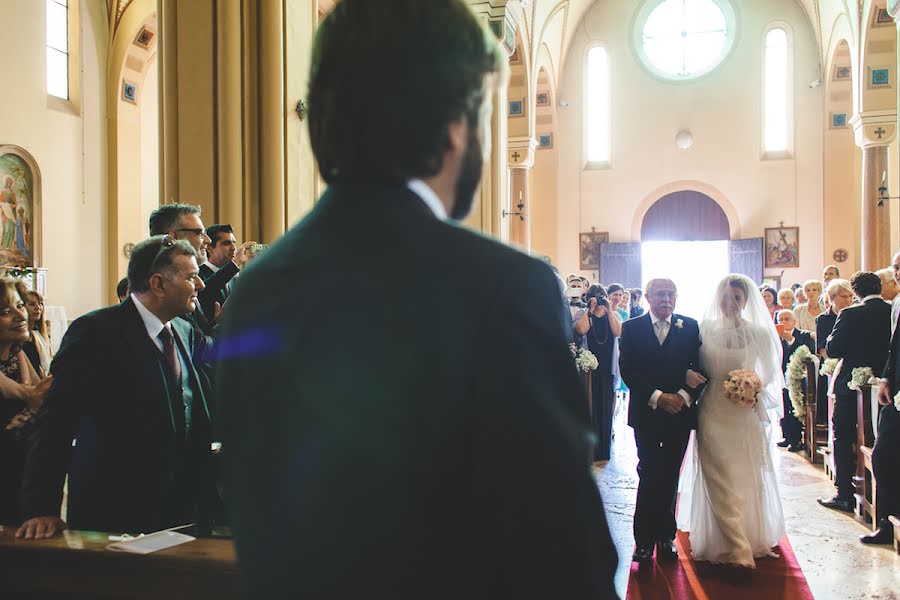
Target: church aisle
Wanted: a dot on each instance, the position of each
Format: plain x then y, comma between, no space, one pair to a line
824,542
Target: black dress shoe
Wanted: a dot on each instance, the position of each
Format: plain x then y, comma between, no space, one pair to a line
798,447
837,503
783,444
666,550
642,554
883,535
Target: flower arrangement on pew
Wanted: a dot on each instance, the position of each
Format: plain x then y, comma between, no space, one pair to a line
862,376
795,374
742,387
897,400
829,366
586,361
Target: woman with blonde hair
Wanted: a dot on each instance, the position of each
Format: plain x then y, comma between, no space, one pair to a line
37,348
806,313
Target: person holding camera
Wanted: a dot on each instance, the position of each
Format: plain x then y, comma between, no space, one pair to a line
604,325
225,258
636,309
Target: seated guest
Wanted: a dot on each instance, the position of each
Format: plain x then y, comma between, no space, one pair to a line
770,297
37,348
122,289
225,258
861,337
786,299
791,339
125,386
889,287
806,313
799,296
840,296
636,309
18,403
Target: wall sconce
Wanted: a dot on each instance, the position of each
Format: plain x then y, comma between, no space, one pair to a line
883,191
301,109
520,212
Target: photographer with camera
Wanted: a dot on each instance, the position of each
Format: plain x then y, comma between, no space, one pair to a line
224,262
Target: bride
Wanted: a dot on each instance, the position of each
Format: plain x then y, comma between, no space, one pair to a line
729,501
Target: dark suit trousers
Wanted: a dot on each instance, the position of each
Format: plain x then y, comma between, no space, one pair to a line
791,426
885,457
659,464
844,424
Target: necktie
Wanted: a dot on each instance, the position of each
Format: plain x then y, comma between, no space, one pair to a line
170,355
662,329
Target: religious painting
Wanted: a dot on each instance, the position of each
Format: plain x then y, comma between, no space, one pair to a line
545,141
515,59
129,92
782,247
144,37
19,209
543,99
589,245
841,73
838,120
882,18
879,77
516,108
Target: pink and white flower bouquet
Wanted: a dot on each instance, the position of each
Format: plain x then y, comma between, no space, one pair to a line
742,387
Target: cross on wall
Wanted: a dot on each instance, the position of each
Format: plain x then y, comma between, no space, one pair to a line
880,132
516,156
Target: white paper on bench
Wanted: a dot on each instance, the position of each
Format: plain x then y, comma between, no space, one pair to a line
146,544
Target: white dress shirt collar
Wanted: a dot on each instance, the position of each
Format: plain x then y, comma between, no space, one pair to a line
151,322
870,296
431,200
212,267
654,319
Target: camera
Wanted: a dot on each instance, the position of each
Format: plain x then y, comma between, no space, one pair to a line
256,248
602,301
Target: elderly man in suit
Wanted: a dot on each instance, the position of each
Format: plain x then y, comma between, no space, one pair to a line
433,449
126,389
791,340
862,337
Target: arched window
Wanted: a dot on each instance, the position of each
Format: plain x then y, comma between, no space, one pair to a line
777,92
597,106
58,48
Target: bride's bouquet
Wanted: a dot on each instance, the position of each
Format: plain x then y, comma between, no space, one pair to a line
586,361
742,387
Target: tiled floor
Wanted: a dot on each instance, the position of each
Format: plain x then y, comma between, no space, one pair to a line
825,542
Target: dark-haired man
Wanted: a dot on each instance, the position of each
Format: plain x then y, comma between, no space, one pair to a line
447,464
224,261
125,386
861,336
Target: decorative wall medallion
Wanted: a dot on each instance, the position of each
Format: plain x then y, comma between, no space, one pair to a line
882,18
840,255
144,37
879,77
129,92
838,120
516,58
127,249
542,99
516,108
841,73
545,141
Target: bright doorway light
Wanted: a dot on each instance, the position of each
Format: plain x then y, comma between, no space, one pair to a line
695,267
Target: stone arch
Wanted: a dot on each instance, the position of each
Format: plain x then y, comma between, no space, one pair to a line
706,189
685,216
878,53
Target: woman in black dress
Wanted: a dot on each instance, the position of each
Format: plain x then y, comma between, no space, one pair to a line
18,403
605,327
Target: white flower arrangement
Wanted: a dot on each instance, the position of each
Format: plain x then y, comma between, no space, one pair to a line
794,376
742,387
829,366
679,323
897,400
586,361
862,376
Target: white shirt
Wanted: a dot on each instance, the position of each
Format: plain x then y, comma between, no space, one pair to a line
151,322
870,296
654,397
211,266
431,200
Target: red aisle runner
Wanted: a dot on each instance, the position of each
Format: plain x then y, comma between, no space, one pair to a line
773,579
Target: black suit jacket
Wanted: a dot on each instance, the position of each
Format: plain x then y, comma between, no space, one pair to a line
216,289
801,338
889,420
110,393
434,448
646,367
862,337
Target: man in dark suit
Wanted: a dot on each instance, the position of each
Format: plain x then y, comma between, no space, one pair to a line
658,352
886,452
862,338
433,449
225,258
791,339
126,389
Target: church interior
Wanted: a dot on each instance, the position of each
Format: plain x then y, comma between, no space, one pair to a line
633,139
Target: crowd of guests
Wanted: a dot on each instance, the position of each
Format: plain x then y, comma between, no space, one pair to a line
813,314
143,453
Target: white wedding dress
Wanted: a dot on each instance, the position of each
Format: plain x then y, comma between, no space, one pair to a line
729,501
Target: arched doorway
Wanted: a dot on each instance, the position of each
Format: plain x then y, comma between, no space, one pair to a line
685,216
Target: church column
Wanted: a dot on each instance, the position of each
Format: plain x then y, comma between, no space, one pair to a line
520,156
230,151
168,101
271,119
874,132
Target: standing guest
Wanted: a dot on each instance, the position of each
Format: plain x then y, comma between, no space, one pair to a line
770,297
18,404
224,261
791,340
636,309
798,294
830,272
126,387
895,305
37,348
605,327
786,299
887,448
840,296
861,337
122,289
806,313
889,287
476,481
618,299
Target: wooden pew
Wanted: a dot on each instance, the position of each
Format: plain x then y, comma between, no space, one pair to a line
896,523
77,565
815,435
827,451
866,427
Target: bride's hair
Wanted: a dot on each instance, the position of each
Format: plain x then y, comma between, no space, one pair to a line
736,281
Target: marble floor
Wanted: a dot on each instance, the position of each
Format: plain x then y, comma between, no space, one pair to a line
825,542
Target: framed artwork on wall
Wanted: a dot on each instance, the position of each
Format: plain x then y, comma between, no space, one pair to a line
841,73
879,77
838,120
782,247
589,249
542,99
882,18
129,92
20,208
516,108
515,59
545,141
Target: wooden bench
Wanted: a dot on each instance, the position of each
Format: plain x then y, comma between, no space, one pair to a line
867,411
815,435
827,451
896,523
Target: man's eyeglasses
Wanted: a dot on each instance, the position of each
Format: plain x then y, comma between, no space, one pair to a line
662,294
195,230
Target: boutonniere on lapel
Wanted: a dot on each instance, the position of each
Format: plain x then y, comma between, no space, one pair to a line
679,324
